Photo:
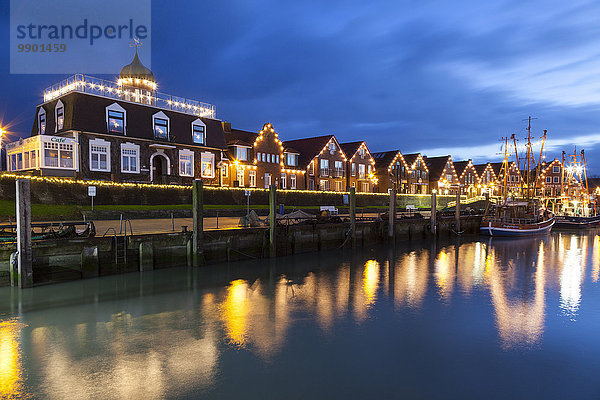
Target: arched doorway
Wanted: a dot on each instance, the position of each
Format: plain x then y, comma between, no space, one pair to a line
159,168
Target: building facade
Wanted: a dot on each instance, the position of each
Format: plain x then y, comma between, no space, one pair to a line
360,167
442,175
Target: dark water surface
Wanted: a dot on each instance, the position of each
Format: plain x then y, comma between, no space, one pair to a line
468,318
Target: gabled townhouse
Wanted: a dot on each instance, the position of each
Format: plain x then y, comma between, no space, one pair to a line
550,180
391,171
122,131
489,177
442,175
323,160
514,179
418,174
468,178
360,167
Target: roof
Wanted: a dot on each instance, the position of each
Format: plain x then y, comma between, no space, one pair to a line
384,159
308,148
460,166
237,136
436,166
135,69
87,112
411,158
350,148
480,168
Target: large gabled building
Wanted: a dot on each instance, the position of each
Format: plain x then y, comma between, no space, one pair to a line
360,167
323,160
122,131
442,175
468,178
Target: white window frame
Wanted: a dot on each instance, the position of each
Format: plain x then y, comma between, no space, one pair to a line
186,153
116,107
292,181
556,169
41,113
237,152
283,180
59,106
338,186
136,148
99,143
202,158
252,178
225,170
239,173
268,180
161,115
198,122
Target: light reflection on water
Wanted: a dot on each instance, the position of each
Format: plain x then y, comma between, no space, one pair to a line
174,332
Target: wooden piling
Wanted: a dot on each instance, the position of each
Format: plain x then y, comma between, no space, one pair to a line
146,256
392,214
352,204
24,253
272,221
198,217
457,211
433,212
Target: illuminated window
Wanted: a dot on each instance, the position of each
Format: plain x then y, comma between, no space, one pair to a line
283,181
331,147
186,163
225,170
242,153
240,176
252,178
199,131
59,112
324,184
267,180
207,163
292,181
116,119
291,159
66,155
361,171
50,154
99,155
160,123
338,186
353,169
130,158
42,121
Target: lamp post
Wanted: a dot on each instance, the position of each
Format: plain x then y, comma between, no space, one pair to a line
1,135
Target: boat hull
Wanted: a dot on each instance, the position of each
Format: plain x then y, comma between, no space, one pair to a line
493,228
577,222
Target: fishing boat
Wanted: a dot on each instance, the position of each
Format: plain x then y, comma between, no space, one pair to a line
518,212
575,209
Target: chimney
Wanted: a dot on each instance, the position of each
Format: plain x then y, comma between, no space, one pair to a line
226,126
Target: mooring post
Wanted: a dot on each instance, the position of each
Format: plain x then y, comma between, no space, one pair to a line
24,255
353,215
272,220
392,213
433,211
457,211
198,217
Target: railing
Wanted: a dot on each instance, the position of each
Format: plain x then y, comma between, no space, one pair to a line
101,87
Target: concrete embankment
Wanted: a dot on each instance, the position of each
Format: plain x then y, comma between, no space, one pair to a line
64,259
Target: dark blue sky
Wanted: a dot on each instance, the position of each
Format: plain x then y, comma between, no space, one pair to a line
433,76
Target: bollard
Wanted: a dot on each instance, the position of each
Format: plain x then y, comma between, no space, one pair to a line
24,256
272,220
392,213
198,218
457,211
353,215
433,212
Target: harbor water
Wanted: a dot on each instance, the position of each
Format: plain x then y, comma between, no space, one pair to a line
470,317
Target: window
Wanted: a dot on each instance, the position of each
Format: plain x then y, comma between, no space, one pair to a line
556,180
199,132
324,167
548,179
556,169
369,168
257,156
353,169
283,181
264,157
252,178
292,181
66,155
50,154
207,162
267,180
242,153
291,160
161,128
225,170
240,176
338,186
338,169
42,121
26,160
115,118
324,184
277,158
361,171
33,161
331,147
59,111
99,155
361,152
365,187
449,177
130,158
268,158
186,163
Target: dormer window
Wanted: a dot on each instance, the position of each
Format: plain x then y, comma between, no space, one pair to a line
160,124
42,121
242,153
361,152
115,119
59,111
199,132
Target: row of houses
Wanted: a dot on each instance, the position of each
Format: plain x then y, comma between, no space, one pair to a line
127,131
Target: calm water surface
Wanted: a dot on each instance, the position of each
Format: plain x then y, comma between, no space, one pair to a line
468,318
